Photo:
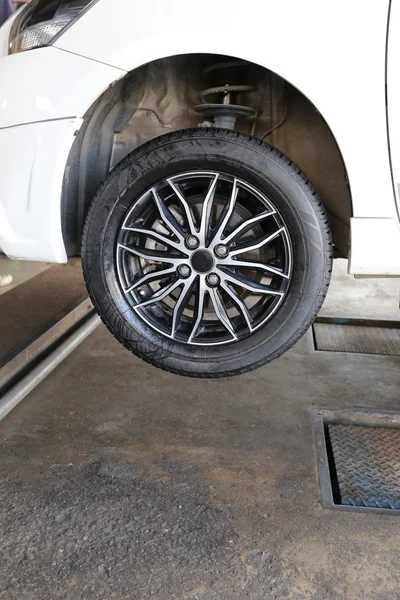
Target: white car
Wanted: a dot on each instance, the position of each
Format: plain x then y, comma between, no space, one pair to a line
207,161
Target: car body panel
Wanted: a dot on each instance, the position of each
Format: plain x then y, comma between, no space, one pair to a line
393,95
46,84
373,247
31,176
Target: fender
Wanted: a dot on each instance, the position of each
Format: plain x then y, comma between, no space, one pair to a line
295,40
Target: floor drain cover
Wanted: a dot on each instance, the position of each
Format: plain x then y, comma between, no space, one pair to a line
361,337
358,459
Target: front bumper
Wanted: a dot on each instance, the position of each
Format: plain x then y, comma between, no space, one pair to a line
44,94
32,165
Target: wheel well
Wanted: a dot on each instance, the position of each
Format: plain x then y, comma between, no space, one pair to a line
160,96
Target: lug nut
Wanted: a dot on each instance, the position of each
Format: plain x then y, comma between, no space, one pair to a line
192,242
184,270
212,279
221,251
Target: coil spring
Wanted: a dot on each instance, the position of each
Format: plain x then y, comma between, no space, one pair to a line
219,102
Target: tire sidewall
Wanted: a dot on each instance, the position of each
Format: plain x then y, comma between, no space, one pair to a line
256,163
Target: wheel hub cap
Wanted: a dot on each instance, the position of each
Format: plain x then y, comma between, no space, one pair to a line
202,261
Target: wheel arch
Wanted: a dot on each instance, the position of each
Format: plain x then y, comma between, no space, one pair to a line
93,152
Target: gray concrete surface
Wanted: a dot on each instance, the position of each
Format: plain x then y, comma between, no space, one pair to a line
21,271
120,481
35,305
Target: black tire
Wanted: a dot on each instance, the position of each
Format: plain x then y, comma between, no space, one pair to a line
255,162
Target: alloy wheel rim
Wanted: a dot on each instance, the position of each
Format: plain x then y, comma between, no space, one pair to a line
204,258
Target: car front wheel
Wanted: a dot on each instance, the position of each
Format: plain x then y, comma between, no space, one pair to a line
207,253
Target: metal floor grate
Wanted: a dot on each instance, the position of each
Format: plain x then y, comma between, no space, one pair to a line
366,461
360,337
359,459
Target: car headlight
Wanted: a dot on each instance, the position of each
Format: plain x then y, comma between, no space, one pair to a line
40,21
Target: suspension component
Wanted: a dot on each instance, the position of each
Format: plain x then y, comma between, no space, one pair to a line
219,102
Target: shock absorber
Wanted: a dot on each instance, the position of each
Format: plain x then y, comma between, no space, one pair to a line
218,103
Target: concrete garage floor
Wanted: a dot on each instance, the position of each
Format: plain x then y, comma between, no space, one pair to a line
121,481
21,271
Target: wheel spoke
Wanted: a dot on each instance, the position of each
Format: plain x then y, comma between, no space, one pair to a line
152,255
199,306
159,237
160,294
221,313
253,265
246,225
255,244
229,210
239,303
179,307
153,276
206,211
186,207
252,286
168,217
